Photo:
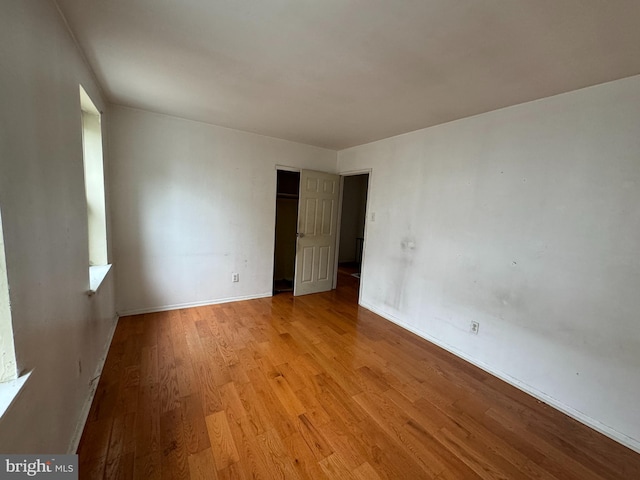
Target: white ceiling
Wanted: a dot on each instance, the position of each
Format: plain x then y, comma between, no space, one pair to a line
338,73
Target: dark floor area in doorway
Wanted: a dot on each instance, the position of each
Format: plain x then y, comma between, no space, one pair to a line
284,285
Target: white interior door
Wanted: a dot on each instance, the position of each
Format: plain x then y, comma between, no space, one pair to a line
317,225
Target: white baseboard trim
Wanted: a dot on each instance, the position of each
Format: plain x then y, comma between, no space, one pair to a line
177,306
627,441
93,386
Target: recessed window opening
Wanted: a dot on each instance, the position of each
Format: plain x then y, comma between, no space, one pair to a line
94,180
8,369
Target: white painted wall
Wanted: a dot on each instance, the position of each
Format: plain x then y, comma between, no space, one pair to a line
57,327
526,220
192,203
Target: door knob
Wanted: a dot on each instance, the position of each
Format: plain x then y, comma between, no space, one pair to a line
300,235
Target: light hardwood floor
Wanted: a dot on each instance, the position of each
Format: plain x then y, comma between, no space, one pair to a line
316,387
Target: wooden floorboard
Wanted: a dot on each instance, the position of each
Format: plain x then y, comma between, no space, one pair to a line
317,387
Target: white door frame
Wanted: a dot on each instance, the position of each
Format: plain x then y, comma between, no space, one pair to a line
351,173
285,168
347,173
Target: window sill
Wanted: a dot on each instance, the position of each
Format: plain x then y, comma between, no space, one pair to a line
97,274
10,390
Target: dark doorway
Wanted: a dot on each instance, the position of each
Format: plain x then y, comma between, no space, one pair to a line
286,228
352,222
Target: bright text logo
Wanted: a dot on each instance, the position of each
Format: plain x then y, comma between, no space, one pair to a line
62,467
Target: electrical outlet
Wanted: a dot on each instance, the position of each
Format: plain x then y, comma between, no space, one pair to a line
474,327
235,277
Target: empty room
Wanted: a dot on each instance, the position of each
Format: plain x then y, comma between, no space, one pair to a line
320,239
